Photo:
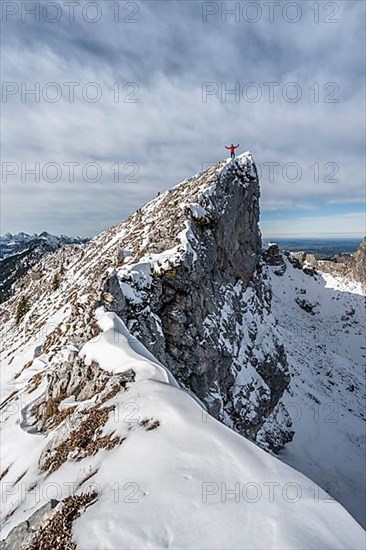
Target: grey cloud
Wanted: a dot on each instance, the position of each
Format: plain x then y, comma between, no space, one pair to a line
170,133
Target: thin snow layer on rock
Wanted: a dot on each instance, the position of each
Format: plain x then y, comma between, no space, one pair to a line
245,330
199,209
23,344
139,275
326,356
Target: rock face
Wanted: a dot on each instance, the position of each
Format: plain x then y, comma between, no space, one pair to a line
206,317
351,266
21,536
359,264
185,274
272,256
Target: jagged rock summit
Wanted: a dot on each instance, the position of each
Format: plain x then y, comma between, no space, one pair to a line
194,298
112,379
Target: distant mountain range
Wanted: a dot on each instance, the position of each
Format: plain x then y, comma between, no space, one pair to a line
14,244
20,252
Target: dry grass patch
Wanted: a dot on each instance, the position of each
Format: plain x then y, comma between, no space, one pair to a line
20,477
3,474
149,424
26,366
13,393
35,382
84,441
89,476
49,411
113,391
61,415
57,533
51,406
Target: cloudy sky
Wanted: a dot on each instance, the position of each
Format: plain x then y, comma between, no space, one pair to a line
129,98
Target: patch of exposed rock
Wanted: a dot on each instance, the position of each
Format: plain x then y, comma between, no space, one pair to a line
272,256
50,527
352,266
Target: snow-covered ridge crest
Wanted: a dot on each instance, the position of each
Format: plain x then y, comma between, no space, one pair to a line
199,201
196,200
110,349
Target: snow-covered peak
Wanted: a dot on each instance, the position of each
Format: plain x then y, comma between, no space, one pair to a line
116,357
14,244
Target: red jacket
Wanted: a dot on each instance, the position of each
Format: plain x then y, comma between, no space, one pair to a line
231,147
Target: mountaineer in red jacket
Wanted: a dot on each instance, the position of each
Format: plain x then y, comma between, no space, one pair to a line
232,149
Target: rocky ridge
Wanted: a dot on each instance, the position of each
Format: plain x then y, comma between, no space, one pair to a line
351,266
184,273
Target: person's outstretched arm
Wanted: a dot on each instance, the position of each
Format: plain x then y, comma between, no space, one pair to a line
237,146
226,147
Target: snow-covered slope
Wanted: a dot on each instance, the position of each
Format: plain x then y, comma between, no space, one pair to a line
169,476
112,419
322,320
